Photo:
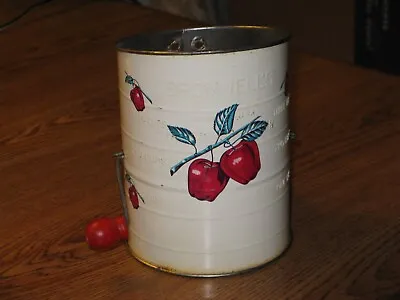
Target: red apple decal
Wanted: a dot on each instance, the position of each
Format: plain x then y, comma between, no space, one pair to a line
206,180
136,94
242,162
137,98
133,196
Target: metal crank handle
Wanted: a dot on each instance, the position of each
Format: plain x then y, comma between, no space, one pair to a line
107,233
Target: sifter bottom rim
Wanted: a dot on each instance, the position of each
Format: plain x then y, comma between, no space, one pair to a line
212,275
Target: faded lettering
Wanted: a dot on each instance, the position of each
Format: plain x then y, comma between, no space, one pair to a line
146,157
237,86
284,181
282,143
282,107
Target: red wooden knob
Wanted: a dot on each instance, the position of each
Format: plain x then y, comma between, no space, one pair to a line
106,233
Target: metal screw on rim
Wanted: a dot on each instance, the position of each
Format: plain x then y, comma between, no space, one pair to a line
198,44
175,45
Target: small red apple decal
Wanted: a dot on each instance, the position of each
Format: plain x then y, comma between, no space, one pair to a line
136,94
133,196
206,180
137,98
106,233
242,162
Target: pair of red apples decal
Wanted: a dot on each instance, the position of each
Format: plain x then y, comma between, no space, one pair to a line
207,178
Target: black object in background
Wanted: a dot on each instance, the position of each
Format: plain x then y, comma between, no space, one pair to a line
377,39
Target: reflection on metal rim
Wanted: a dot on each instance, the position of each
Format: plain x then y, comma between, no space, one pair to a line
203,40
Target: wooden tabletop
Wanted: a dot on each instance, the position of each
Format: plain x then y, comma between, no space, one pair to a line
59,126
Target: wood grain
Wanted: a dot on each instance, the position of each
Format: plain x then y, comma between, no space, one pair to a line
59,126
